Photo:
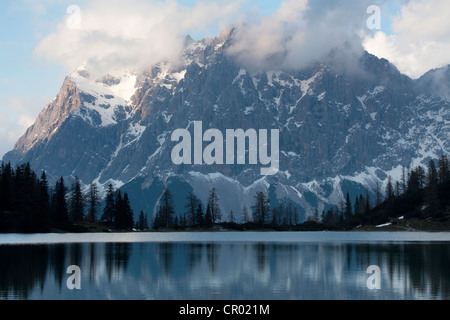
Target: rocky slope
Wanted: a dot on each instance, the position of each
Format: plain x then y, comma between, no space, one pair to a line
345,123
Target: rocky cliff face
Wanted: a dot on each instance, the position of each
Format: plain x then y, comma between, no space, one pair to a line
344,124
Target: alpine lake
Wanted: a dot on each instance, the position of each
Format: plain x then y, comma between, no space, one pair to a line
226,266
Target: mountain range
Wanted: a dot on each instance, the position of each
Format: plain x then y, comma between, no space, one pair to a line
346,123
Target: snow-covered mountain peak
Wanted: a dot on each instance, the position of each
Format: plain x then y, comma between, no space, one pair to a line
339,131
122,87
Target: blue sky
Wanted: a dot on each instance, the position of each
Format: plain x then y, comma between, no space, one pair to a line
28,82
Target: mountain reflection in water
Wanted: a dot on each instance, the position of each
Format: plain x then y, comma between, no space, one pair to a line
205,271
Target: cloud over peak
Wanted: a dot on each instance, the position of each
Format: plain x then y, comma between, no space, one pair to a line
299,33
111,36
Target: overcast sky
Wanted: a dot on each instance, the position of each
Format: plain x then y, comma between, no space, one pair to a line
41,41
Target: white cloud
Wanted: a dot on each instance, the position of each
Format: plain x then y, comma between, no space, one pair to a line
140,33
420,39
300,32
136,34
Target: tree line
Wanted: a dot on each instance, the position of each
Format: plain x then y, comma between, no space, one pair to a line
422,193
28,204
196,216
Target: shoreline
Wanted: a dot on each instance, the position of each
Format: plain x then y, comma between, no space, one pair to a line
408,225
251,237
391,228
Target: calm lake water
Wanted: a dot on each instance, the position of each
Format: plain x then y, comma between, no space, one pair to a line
226,265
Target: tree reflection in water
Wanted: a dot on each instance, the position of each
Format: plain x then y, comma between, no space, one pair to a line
225,270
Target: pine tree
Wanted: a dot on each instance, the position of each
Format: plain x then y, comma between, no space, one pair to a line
60,212
146,224
421,177
183,222
167,209
76,202
362,205
208,216
191,208
431,192
109,211
389,190
20,195
397,189
444,173
123,212
432,174
404,181
119,217
128,220
158,223
6,187
93,200
261,208
330,218
213,202
142,223
43,209
413,182
368,206
200,215
356,207
416,181
26,198
277,214
348,207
